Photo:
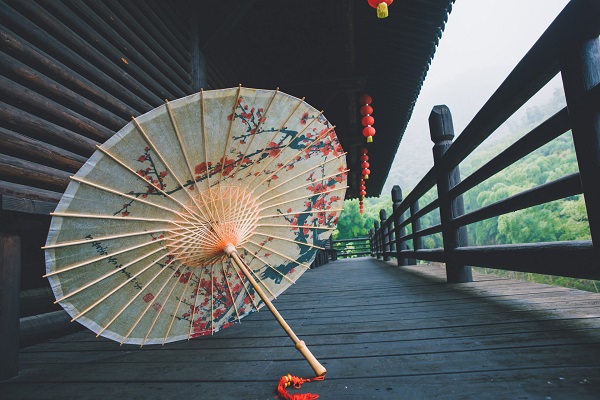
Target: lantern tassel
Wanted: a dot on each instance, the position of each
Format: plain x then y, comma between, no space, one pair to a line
382,10
369,139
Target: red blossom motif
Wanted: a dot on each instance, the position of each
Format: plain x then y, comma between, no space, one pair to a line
148,297
273,149
185,277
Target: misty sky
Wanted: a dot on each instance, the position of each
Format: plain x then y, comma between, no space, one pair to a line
482,42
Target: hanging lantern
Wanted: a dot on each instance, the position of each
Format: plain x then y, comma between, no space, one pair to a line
381,6
365,173
367,120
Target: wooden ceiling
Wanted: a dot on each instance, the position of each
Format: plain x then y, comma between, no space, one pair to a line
329,52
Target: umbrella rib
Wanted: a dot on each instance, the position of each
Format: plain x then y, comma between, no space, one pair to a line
167,298
180,140
135,324
304,185
237,99
289,240
93,260
121,236
128,168
279,254
100,216
298,226
100,279
255,254
303,197
260,122
317,138
300,212
116,192
230,292
275,135
194,309
254,303
204,137
130,301
162,159
107,295
300,174
185,286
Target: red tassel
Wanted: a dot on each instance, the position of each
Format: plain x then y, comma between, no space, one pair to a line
296,382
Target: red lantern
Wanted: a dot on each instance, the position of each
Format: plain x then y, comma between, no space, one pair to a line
364,165
362,187
368,132
366,110
364,151
365,173
381,6
367,120
365,99
364,157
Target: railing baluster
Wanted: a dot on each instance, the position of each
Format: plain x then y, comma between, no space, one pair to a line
385,239
442,133
416,227
399,232
376,237
372,242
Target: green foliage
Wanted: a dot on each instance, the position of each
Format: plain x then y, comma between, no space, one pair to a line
354,225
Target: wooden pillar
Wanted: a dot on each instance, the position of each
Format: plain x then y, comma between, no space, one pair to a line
442,133
376,237
416,226
371,242
399,232
580,70
385,236
10,285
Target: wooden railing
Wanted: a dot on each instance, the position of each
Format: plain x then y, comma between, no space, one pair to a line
570,46
349,248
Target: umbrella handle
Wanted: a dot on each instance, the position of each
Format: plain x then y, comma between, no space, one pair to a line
300,345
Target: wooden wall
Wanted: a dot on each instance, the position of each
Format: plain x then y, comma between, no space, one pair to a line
73,72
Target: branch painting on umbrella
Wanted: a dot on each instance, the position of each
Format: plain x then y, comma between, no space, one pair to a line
196,214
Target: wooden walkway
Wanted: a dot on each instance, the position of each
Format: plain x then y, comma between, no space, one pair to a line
382,332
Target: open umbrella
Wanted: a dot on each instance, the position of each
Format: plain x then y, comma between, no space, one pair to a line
196,214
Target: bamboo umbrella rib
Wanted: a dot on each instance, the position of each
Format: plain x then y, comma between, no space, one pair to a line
102,257
279,254
301,173
160,156
194,309
255,254
327,228
112,272
237,99
127,196
101,238
107,295
230,292
304,185
204,136
244,283
158,314
256,130
299,212
142,290
317,138
262,283
100,216
128,168
275,135
150,303
183,149
288,240
185,286
303,197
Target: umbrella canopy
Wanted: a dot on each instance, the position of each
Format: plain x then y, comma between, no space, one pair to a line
162,232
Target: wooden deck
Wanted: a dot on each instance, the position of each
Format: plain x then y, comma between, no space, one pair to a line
382,332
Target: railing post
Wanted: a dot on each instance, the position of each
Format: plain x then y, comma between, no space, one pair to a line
416,226
399,232
442,133
376,236
371,242
332,250
580,70
10,285
385,238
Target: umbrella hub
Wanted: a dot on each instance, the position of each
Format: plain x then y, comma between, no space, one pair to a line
217,217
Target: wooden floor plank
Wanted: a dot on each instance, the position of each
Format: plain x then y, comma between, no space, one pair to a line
382,331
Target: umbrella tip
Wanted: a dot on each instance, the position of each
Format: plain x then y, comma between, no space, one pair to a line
229,249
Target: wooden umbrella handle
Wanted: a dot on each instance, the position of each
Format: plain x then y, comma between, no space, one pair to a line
300,345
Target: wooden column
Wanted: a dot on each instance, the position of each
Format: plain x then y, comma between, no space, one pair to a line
385,238
10,284
442,133
376,237
580,70
372,242
399,232
416,226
